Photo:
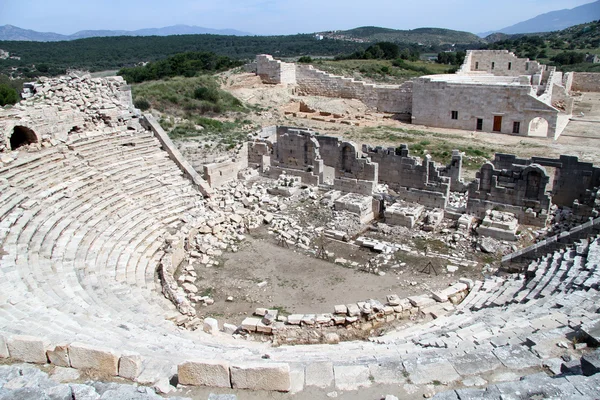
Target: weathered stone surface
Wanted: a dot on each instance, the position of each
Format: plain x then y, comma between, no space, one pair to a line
319,374
27,348
429,369
130,366
297,378
261,376
421,301
3,348
387,373
249,324
85,356
204,373
62,374
213,396
516,357
84,392
351,377
211,326
475,363
353,310
59,356
590,363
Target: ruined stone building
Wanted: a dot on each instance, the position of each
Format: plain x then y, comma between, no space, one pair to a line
494,91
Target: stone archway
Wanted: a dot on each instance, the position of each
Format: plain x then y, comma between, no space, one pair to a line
538,127
22,136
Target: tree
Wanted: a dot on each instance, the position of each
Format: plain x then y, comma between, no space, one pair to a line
8,95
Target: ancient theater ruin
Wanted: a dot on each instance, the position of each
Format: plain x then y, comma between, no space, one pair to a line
443,286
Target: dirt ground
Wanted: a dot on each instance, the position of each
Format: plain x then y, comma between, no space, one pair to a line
264,274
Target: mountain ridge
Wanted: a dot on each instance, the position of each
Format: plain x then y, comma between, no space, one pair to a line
14,33
553,20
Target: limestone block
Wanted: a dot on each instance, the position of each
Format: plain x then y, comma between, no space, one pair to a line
351,377
59,356
214,373
249,324
353,310
211,326
3,347
421,301
261,376
319,374
229,328
28,349
130,366
84,356
340,309
295,319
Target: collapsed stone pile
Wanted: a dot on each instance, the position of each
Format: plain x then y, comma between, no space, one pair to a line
71,104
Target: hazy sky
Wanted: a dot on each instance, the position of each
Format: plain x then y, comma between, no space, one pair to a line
273,16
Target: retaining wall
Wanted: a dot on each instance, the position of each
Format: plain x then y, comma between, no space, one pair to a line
167,144
586,82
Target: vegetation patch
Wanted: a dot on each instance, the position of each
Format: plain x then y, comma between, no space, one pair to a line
180,96
185,64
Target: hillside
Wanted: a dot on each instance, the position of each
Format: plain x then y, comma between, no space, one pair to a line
10,32
554,20
425,36
566,49
106,53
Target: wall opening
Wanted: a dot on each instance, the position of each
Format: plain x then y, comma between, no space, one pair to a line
538,127
479,126
22,136
532,190
497,123
516,127
347,159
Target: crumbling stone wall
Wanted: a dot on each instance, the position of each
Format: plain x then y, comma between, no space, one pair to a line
217,174
586,82
413,179
318,159
70,104
384,98
518,189
575,182
454,172
275,71
497,62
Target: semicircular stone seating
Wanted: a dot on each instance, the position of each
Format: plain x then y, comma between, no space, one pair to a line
82,229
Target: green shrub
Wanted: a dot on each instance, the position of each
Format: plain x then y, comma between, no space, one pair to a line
205,93
8,95
142,104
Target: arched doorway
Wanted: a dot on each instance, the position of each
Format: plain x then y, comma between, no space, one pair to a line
538,127
22,136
